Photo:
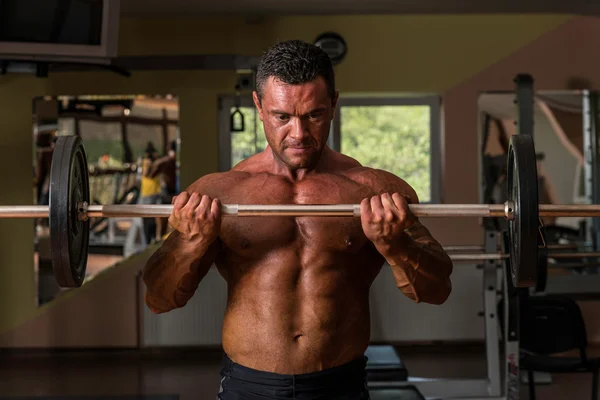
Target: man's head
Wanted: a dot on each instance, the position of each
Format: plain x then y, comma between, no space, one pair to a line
296,98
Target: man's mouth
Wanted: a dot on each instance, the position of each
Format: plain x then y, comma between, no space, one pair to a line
299,149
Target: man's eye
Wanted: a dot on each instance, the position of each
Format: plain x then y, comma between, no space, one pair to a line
283,117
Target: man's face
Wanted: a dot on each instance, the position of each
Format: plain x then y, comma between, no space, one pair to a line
296,119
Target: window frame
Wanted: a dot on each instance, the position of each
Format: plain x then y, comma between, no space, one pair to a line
226,102
435,130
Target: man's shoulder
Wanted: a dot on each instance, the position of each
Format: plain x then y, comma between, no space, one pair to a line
381,181
251,165
219,183
216,183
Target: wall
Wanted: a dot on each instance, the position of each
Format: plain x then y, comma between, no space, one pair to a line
448,55
103,313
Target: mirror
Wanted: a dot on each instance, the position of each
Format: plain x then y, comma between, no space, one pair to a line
132,148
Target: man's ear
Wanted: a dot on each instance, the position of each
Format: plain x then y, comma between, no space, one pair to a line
257,104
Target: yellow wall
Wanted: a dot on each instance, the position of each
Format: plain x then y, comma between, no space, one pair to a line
386,54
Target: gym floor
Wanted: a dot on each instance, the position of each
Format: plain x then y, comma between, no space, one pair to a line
194,374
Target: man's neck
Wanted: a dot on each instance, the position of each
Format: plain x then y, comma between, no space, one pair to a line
296,174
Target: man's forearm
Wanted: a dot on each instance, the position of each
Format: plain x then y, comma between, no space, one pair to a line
173,272
420,266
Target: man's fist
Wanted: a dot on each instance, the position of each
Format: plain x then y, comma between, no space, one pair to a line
384,218
196,217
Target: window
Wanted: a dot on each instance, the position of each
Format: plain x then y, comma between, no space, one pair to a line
249,141
237,146
399,135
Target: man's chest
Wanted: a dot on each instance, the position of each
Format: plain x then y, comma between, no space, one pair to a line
261,235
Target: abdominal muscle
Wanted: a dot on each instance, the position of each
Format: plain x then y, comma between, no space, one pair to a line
293,316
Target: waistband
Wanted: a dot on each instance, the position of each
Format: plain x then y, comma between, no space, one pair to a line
351,372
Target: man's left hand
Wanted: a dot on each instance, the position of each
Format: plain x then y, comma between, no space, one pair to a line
384,219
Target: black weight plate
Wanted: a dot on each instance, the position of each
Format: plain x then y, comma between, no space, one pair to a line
523,192
525,104
69,188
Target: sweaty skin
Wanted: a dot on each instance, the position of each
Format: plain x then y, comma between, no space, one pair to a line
298,288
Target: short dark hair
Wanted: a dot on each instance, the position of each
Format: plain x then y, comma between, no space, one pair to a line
295,62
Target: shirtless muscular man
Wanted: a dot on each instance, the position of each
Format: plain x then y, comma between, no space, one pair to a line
297,320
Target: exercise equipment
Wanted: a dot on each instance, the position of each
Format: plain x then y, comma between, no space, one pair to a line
69,211
384,364
501,256
523,196
69,190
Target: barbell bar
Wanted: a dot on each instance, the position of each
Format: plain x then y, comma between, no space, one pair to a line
574,265
503,256
305,210
480,248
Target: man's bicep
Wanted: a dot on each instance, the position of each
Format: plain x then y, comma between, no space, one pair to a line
209,185
403,188
390,183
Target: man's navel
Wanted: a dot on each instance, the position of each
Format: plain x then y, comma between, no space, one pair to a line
348,241
245,243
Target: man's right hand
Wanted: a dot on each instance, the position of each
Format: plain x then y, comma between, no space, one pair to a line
197,218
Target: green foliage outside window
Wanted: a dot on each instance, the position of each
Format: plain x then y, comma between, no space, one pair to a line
245,144
393,138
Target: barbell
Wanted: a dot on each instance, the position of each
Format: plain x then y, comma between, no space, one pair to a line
69,211
502,256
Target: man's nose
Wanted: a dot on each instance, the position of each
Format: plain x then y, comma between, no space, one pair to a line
299,129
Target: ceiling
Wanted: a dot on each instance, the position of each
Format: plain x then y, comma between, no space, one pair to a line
136,8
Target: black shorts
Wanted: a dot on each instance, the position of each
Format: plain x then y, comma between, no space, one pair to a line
345,382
